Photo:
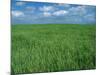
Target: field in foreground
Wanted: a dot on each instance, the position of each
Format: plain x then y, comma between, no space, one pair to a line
49,48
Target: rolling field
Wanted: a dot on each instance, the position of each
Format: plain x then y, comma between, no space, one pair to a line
52,47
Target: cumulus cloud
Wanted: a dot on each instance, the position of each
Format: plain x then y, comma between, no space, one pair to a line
20,3
90,17
60,12
17,13
30,8
46,8
52,13
79,10
47,14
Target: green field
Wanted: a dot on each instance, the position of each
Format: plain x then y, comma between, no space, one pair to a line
53,47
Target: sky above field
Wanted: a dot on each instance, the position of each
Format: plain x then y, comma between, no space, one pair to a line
51,13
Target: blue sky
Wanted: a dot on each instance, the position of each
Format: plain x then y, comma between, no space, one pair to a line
51,13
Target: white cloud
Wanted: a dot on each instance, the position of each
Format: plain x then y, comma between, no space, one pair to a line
60,12
17,13
47,14
46,8
90,17
20,3
79,10
30,8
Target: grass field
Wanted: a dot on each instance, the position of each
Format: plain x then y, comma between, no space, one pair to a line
52,47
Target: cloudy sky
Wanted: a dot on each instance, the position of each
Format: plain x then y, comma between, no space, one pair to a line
51,13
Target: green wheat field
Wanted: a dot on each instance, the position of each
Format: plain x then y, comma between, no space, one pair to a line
53,47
